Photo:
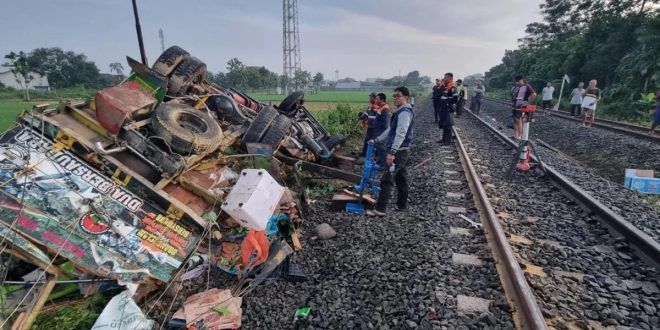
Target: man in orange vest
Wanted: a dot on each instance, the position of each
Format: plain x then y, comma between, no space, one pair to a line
447,105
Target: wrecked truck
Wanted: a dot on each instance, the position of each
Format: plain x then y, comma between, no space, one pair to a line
127,185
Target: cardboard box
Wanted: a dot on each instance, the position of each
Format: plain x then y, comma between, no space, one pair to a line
643,181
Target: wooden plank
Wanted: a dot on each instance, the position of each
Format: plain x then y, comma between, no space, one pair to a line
366,198
295,238
33,311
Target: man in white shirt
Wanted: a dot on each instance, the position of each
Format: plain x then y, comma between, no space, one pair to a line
547,92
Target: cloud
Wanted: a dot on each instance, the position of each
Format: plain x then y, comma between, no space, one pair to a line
361,39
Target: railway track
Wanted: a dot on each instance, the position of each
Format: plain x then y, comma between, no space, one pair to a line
473,250
637,131
578,256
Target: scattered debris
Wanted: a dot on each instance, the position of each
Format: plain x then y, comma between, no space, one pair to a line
301,314
324,231
152,182
211,309
122,313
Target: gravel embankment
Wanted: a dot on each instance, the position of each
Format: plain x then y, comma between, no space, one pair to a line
603,157
591,279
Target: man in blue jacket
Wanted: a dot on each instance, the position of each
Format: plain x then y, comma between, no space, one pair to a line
397,139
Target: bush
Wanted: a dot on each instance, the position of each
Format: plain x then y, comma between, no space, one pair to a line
342,120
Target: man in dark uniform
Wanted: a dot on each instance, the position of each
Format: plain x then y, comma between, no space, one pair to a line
397,140
381,123
437,90
368,120
447,105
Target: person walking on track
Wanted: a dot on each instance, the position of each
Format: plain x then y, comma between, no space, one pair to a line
589,102
547,92
479,92
576,100
462,97
522,94
448,99
396,139
437,91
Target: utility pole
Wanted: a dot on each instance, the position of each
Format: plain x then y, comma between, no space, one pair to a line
138,29
290,42
162,40
336,75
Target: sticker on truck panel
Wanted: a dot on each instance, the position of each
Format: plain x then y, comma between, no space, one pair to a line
60,201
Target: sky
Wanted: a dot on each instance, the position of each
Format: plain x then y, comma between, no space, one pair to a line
360,39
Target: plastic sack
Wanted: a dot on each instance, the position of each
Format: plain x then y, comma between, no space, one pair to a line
122,313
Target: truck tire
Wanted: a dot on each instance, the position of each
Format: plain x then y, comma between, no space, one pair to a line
291,102
334,141
169,60
190,71
259,125
185,129
278,129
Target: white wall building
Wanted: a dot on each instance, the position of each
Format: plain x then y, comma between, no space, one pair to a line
38,83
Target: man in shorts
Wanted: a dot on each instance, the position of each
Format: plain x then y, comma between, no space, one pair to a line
522,94
589,102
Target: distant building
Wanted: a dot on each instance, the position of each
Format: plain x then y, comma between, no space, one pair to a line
348,85
39,83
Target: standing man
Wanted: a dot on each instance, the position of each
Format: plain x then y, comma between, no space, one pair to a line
437,91
547,92
589,101
522,94
381,123
462,97
576,100
448,99
479,92
396,139
368,119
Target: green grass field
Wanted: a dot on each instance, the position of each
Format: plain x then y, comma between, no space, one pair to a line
9,110
335,97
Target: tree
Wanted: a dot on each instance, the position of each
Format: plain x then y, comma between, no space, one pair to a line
21,70
117,67
64,68
301,79
412,78
317,80
616,42
236,74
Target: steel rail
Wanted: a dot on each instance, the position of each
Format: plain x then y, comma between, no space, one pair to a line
527,313
649,248
637,131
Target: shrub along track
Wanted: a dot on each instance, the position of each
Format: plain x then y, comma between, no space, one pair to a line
582,276
604,152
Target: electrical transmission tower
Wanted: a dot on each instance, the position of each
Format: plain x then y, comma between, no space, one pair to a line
291,42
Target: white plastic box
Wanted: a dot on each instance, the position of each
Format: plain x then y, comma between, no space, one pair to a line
253,199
